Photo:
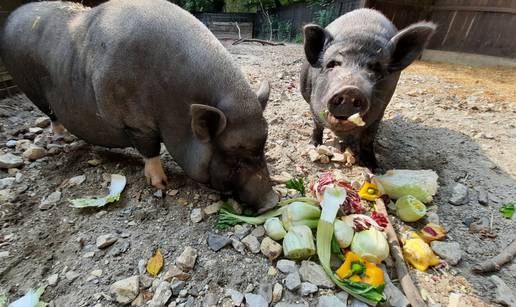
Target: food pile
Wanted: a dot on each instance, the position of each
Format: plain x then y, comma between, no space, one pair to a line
339,222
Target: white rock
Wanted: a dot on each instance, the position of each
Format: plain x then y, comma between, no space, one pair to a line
338,157
10,144
213,208
255,300
313,155
6,183
504,294
307,288
9,160
277,292
4,254
324,150
314,273
42,122
292,281
270,248
449,251
459,195
186,261
330,301
236,296
71,275
77,180
96,273
162,295
196,215
53,279
35,130
286,266
125,290
104,241
34,152
252,244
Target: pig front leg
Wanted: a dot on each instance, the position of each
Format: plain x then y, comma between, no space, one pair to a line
149,148
367,157
317,134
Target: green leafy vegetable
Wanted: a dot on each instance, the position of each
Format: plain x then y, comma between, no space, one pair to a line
333,197
507,210
297,184
299,213
117,186
228,217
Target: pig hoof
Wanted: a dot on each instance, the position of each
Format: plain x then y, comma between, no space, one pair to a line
155,174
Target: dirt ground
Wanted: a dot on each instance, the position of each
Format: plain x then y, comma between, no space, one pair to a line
459,121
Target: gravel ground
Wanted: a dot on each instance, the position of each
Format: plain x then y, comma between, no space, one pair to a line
458,121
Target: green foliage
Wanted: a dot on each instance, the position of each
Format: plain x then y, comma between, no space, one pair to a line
299,38
324,16
507,210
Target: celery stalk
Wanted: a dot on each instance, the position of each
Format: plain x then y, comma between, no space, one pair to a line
333,197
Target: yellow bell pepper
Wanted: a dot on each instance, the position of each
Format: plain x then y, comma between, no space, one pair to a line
432,232
357,269
369,191
418,253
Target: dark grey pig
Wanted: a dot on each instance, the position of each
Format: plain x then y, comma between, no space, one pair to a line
351,70
138,73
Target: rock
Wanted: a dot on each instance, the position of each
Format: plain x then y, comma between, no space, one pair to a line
34,152
94,162
343,297
213,208
162,295
142,267
314,273
10,144
183,293
234,205
324,150
6,183
9,160
50,200
196,215
42,122
449,251
455,300
284,177
265,290
71,275
480,225
175,272
77,180
217,242
35,130
22,145
307,289
282,304
125,290
286,266
241,231
252,244
270,248
88,255
210,300
394,296
186,261
255,300
292,281
138,301
313,155
483,196
277,292
258,232
53,279
236,296
324,159
158,193
104,241
96,273
330,301
213,197
459,195
177,287
338,157
237,245
6,195
504,294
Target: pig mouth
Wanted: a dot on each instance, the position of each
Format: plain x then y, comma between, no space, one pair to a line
340,123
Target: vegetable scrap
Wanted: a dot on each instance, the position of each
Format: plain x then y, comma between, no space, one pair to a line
507,211
298,243
419,254
357,269
297,184
369,191
155,264
410,209
30,299
421,184
115,190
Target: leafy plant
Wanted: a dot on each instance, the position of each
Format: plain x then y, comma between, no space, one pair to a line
507,210
324,16
297,184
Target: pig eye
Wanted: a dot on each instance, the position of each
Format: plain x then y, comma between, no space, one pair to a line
375,70
332,64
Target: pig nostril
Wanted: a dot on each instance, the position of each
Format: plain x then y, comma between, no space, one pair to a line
340,100
356,103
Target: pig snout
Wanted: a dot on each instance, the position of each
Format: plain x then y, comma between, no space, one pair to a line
257,192
348,101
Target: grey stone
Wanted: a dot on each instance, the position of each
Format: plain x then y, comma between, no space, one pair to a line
330,301
71,275
241,231
216,242
162,295
177,287
449,251
252,244
286,266
314,273
125,290
504,294
196,215
104,241
10,144
307,288
9,160
483,196
77,180
255,300
236,296
293,281
343,296
50,200
258,232
6,195
6,183
277,292
53,279
210,299
42,122
119,248
186,261
459,195
357,303
282,304
395,297
237,245
265,290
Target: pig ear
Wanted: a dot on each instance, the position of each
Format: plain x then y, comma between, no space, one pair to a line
207,122
409,43
316,39
263,93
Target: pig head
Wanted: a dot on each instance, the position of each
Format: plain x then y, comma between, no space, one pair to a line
352,68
